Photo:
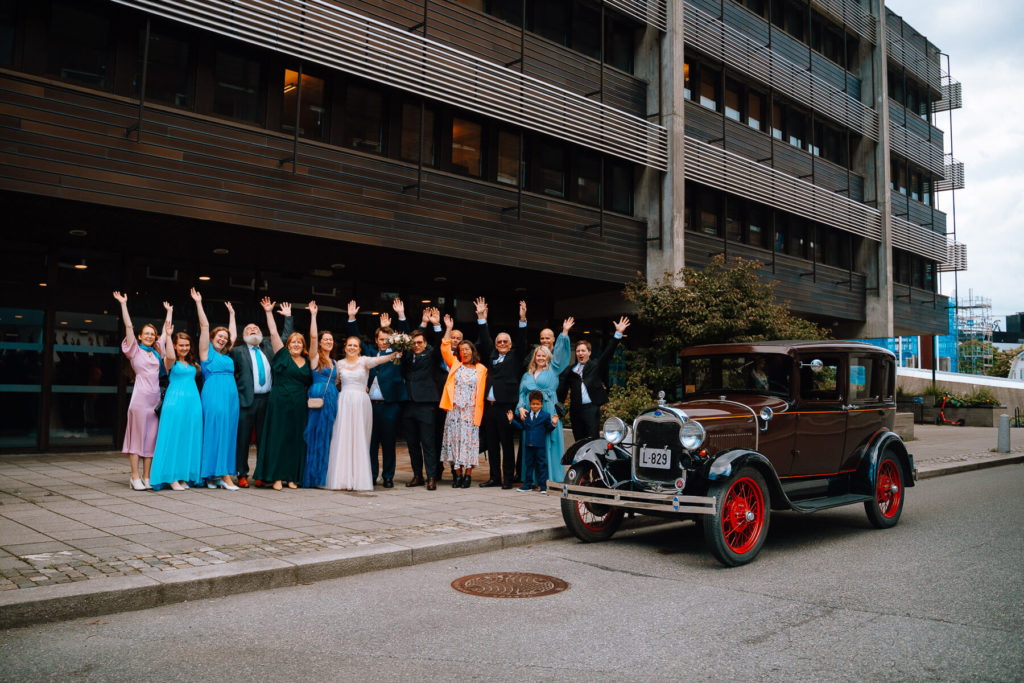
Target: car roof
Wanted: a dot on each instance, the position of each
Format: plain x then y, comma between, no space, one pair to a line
788,347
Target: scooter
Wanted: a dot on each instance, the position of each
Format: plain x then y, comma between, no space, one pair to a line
941,418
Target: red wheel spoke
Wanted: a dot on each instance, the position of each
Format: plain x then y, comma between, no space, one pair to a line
744,499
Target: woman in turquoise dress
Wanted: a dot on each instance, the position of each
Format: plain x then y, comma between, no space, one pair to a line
219,398
542,375
179,441
284,443
320,421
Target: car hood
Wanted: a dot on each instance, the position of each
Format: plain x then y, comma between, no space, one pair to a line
737,405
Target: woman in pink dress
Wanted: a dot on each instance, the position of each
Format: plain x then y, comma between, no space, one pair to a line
144,354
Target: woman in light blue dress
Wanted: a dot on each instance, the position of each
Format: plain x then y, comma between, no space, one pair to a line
320,422
179,441
219,398
542,375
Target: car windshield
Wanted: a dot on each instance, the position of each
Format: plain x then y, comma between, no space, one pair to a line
753,373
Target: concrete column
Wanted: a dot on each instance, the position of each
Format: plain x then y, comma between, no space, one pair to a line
875,258
660,196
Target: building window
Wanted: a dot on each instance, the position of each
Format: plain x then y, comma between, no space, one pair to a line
8,25
78,47
898,182
170,71
710,209
755,110
550,165
363,127
237,87
588,177
777,121
310,98
687,83
550,19
758,226
733,220
709,88
619,45
506,10
508,158
732,100
410,134
586,31
796,127
619,181
467,147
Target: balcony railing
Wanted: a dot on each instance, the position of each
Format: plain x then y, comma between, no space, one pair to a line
956,258
910,57
906,140
745,54
745,177
918,240
954,176
853,15
651,12
952,95
341,39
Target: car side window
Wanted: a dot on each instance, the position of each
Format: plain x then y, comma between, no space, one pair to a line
824,385
863,380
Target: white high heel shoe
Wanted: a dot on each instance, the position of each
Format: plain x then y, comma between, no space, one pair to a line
221,484
175,486
136,484
145,484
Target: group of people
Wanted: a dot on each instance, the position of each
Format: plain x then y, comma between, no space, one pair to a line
318,421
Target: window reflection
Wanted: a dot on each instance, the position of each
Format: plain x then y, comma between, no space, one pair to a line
236,90
310,98
467,139
79,45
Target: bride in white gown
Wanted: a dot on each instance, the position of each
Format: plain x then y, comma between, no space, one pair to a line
348,460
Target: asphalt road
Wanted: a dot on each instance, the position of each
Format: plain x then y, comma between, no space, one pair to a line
939,597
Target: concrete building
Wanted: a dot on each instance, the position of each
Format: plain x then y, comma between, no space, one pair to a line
440,150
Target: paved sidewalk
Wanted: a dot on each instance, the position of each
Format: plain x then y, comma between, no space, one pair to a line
75,540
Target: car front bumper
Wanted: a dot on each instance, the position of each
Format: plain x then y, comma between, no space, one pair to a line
638,500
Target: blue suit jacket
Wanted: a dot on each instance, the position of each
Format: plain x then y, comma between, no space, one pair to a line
535,431
388,375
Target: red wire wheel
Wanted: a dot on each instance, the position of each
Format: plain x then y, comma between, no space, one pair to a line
885,510
737,530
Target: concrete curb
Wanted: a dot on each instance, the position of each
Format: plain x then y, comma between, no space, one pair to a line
28,606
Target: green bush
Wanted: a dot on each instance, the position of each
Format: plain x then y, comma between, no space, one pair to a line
629,401
980,398
935,390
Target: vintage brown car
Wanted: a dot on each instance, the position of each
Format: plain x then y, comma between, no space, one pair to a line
767,426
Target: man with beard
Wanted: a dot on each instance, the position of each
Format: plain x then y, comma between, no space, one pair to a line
253,378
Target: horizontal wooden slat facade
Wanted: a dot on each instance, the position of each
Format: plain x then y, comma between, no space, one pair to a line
651,12
851,13
911,50
912,138
822,291
342,39
65,142
918,240
748,55
956,258
919,311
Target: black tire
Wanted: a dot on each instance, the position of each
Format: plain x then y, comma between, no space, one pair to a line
737,530
588,522
885,510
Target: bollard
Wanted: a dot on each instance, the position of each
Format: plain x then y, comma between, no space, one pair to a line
1003,444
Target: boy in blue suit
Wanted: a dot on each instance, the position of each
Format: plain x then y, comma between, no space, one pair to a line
535,430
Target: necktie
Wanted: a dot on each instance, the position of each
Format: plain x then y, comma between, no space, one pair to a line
261,373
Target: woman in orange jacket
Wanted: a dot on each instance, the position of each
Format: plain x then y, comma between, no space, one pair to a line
463,398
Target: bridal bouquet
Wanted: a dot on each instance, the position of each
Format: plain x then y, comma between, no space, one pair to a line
399,341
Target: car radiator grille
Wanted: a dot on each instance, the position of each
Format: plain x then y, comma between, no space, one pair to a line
658,434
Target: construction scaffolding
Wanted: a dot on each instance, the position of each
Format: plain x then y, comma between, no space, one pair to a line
974,325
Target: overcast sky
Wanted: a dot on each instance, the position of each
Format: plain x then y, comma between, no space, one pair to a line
982,39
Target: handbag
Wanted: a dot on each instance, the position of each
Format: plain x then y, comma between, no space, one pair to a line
316,403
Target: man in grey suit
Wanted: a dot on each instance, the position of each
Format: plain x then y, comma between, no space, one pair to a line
253,378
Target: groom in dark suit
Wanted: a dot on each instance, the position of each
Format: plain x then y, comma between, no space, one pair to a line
504,359
585,385
418,418
387,391
253,379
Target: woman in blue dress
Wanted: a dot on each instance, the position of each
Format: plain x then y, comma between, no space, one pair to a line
179,441
320,423
542,375
219,398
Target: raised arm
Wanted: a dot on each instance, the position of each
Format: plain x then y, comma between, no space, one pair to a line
170,355
314,342
484,341
401,324
606,354
562,354
446,341
275,339
129,331
289,322
204,326
374,361
232,325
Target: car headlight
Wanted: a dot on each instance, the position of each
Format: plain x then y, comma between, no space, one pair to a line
691,435
614,430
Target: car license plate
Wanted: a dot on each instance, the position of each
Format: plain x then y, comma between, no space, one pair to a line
658,458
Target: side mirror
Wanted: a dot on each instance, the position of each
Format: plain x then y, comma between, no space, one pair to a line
815,365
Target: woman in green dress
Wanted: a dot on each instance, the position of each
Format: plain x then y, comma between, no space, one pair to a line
281,458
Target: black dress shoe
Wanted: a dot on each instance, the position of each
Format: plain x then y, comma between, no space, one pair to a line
416,481
467,481
388,484
431,484
490,482
506,486
457,481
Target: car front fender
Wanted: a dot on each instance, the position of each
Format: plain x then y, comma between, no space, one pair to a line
730,462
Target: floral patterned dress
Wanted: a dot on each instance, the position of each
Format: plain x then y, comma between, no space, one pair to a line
461,442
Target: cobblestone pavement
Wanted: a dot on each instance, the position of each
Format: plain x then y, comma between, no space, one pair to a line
71,517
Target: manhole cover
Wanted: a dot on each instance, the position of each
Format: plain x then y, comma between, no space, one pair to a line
509,585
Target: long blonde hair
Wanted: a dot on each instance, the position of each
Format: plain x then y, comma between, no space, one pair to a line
543,350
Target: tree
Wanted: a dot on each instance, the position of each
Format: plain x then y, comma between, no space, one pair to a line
723,302
1001,362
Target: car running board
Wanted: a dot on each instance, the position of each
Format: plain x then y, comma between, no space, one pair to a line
816,504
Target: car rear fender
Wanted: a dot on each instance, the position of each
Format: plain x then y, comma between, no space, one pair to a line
884,440
729,462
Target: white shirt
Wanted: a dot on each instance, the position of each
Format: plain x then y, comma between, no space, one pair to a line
257,356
